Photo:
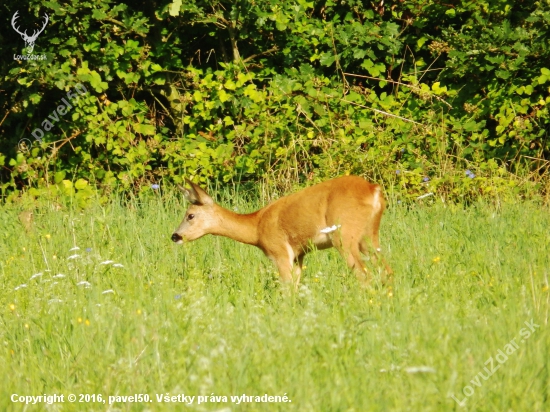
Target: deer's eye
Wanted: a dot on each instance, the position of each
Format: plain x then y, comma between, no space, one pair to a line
190,216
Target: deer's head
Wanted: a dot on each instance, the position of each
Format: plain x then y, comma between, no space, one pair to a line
199,218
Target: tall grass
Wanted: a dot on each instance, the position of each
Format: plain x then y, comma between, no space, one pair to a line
210,317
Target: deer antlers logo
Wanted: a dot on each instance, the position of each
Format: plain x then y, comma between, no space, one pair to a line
29,40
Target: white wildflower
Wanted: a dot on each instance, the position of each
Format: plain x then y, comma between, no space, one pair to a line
419,369
392,368
424,196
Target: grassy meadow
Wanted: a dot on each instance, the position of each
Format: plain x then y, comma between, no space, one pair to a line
210,319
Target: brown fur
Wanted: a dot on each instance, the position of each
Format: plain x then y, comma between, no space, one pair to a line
291,226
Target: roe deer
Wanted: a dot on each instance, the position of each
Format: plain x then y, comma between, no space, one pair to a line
343,213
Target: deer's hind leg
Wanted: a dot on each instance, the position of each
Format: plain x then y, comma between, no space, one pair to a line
346,241
370,244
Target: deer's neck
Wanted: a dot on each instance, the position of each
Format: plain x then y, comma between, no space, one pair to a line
242,228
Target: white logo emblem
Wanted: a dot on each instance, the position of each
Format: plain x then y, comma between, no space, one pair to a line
29,40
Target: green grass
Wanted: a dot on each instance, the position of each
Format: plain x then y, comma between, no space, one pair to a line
210,317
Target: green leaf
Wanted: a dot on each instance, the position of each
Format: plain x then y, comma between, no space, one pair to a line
98,14
59,176
281,26
230,85
359,53
145,129
367,64
132,78
327,59
503,74
223,96
420,42
96,83
81,184
175,7
319,109
197,96
471,126
437,89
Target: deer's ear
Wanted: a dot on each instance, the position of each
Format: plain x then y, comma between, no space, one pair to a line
195,195
182,190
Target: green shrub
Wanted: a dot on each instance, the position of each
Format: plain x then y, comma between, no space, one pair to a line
410,95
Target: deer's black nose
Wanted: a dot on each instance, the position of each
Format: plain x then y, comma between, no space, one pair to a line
176,237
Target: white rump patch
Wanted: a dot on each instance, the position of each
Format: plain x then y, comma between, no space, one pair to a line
330,229
378,250
376,204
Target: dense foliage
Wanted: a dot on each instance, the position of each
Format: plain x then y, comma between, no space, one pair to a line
422,96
